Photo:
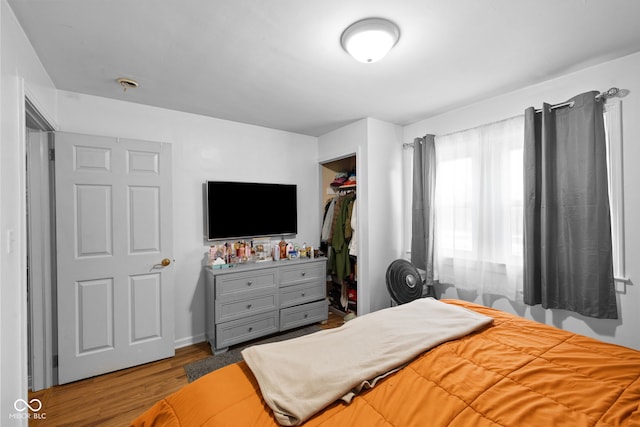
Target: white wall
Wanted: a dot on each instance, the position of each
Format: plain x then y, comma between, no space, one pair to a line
22,75
623,73
203,148
384,206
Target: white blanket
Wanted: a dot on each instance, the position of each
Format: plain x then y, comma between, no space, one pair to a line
301,376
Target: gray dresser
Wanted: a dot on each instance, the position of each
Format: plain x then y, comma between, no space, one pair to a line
252,300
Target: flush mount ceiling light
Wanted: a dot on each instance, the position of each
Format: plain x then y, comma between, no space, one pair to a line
369,40
127,83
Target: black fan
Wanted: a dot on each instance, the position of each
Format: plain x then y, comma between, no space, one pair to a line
404,282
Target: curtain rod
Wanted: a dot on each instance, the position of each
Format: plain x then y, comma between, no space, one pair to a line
599,97
411,144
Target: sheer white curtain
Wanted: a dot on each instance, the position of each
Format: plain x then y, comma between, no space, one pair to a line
479,208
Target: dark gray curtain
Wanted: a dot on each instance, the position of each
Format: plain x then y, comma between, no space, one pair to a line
568,261
423,211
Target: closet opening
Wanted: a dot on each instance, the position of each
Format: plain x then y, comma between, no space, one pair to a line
338,237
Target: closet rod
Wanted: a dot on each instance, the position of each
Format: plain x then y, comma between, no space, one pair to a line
599,97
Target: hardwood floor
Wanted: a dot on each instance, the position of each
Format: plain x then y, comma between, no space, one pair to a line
117,398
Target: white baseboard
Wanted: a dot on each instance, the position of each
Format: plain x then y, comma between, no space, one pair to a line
185,342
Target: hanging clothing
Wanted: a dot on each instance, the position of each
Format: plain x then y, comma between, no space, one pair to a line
337,209
353,244
347,227
328,221
341,264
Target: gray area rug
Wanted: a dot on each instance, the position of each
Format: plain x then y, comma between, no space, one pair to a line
202,367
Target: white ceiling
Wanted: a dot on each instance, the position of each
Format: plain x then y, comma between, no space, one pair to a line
279,63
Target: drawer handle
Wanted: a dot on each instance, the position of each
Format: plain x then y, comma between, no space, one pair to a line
304,273
248,306
306,315
250,329
303,294
249,283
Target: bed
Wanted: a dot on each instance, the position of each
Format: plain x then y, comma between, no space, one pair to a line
511,372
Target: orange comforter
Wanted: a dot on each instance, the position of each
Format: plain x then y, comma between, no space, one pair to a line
515,372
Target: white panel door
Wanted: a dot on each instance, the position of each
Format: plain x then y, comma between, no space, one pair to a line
113,231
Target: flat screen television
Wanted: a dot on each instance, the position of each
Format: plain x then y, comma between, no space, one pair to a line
249,209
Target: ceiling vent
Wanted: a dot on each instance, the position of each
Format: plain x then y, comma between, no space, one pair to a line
127,83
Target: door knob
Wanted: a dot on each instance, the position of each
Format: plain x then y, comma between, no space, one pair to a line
164,263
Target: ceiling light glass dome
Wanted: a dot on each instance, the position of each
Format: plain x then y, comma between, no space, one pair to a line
369,40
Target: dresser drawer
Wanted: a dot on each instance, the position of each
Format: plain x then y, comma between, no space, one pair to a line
300,315
251,303
292,275
302,293
230,285
246,329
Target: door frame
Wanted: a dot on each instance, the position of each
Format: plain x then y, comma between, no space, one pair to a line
41,277
353,158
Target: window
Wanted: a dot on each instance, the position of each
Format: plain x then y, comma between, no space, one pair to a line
479,208
454,207
479,205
